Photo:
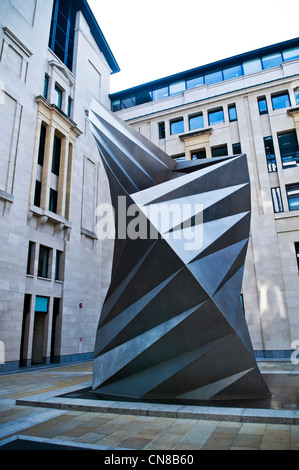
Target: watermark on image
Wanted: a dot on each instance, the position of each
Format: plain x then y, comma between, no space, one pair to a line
2,352
295,354
171,221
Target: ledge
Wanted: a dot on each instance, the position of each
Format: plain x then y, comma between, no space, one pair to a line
207,130
89,233
6,196
293,111
46,215
53,107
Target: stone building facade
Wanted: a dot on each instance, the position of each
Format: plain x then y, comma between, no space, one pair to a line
54,271
244,104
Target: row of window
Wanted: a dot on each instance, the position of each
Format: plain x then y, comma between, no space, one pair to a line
292,191
279,101
196,121
45,258
57,96
61,40
288,147
248,67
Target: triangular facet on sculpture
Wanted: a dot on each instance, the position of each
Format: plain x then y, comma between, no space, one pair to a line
172,326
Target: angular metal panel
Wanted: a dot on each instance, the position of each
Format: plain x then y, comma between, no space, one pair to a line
172,325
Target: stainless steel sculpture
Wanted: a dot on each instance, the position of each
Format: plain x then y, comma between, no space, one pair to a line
172,325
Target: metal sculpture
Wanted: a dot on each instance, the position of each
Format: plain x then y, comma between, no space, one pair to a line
172,324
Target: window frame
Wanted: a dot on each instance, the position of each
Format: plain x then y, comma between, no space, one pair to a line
176,121
214,112
274,96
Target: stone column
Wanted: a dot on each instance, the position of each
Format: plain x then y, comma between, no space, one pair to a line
34,161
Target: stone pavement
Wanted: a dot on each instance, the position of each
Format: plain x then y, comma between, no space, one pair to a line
32,409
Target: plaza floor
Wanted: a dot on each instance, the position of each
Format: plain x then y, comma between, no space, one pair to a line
42,407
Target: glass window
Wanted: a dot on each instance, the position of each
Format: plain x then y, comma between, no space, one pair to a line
271,60
177,87
252,66
56,155
270,154
232,112
128,102
46,83
297,96
42,141
58,97
237,149
161,130
297,253
69,107
214,77
37,193
216,116
196,121
30,258
53,200
143,97
61,39
160,93
58,266
293,196
291,54
177,126
41,304
199,154
220,151
276,199
43,261
115,106
194,82
262,103
232,72
280,101
289,151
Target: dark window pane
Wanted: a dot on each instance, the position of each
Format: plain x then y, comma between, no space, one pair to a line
237,148
43,261
37,193
297,253
293,196
56,155
176,127
46,83
289,151
128,102
280,101
220,151
41,150
162,130
216,116
115,106
143,97
199,154
53,200
196,122
270,154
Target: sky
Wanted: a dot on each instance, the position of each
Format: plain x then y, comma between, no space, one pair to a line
156,38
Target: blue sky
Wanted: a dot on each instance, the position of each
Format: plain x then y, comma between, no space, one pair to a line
154,39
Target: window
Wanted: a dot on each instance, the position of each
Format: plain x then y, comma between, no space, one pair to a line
128,102
41,304
69,106
37,193
56,155
160,93
177,126
194,82
280,100
297,96
220,151
46,84
196,121
232,72
297,253
252,66
214,77
143,97
216,116
42,141
161,130
58,266
61,40
198,154
291,54
237,149
179,158
30,258
232,112
177,87
276,199
262,103
115,106
271,60
289,150
53,200
58,97
43,261
293,196
270,154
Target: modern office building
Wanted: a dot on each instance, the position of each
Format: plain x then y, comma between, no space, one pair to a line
243,104
54,271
